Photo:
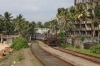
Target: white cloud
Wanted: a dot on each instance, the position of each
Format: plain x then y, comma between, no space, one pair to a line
34,10
29,7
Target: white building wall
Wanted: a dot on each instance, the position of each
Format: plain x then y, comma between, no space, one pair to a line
41,30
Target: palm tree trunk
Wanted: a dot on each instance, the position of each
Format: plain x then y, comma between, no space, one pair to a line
66,33
98,34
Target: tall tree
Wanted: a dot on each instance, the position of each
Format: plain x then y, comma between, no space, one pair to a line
19,23
1,24
7,22
94,21
47,24
39,24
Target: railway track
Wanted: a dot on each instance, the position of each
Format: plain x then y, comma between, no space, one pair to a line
46,58
82,55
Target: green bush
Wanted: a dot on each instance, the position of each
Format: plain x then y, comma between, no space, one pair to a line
95,49
62,35
82,38
63,45
19,43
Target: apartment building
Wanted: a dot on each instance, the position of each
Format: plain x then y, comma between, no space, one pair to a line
85,28
76,2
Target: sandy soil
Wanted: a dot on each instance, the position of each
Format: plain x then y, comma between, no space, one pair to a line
2,46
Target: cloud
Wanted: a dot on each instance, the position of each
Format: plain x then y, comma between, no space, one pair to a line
34,10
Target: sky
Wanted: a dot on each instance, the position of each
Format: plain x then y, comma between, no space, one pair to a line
34,10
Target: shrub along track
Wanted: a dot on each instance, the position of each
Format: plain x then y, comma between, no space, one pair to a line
46,58
94,59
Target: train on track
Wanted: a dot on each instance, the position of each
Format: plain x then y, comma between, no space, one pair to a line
51,39
47,38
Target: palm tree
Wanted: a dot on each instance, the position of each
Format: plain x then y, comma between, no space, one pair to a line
65,16
31,27
7,21
1,24
19,23
39,24
80,10
97,14
73,17
94,21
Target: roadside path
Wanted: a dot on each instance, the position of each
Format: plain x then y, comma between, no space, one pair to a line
30,59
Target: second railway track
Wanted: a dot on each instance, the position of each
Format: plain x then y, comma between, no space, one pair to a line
53,57
78,54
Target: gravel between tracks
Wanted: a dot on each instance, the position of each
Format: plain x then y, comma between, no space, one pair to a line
77,61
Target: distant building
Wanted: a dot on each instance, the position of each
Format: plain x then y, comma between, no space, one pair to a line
76,2
41,30
7,39
40,33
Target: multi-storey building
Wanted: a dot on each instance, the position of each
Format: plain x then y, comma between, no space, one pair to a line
85,28
76,2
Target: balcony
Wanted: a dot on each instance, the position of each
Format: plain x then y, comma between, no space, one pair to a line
83,29
76,22
83,22
96,0
96,28
77,29
88,28
88,22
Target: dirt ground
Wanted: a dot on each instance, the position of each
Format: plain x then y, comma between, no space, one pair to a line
2,46
30,59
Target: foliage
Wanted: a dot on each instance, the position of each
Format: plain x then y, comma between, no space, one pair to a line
63,45
21,55
19,43
82,38
97,11
62,35
47,24
85,51
39,25
17,25
95,49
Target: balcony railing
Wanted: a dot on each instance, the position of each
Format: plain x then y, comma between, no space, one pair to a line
88,28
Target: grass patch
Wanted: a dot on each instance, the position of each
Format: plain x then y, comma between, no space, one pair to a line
5,57
15,56
82,50
19,56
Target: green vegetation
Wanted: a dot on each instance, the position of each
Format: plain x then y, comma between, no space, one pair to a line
19,56
19,43
62,39
61,35
85,51
5,57
82,38
69,16
95,49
